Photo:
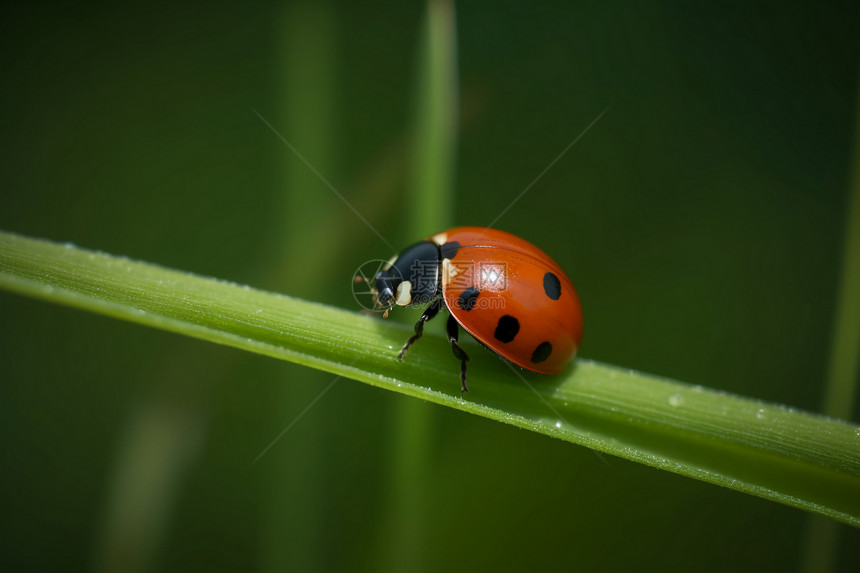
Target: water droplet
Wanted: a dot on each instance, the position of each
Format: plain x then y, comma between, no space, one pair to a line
760,414
558,424
676,400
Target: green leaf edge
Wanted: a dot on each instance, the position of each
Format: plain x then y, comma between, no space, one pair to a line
772,451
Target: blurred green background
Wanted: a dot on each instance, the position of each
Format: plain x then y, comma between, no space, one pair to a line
702,220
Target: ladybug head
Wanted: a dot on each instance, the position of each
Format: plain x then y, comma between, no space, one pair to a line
409,279
384,289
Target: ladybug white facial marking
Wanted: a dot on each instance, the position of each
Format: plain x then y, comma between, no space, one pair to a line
404,294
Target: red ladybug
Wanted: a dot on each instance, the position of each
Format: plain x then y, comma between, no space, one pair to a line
504,291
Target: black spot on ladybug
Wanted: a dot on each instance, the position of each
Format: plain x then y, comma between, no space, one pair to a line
449,249
542,352
466,301
507,328
551,286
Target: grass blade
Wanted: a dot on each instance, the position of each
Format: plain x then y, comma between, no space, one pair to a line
427,210
822,540
796,458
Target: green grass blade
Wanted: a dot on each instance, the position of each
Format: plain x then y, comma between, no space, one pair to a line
432,196
427,211
800,459
304,112
822,540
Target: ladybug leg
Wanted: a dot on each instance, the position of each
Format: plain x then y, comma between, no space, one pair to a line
453,335
431,311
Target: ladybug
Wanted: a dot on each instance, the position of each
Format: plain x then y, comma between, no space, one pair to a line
505,292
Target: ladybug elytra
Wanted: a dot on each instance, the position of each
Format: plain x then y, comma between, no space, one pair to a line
505,292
